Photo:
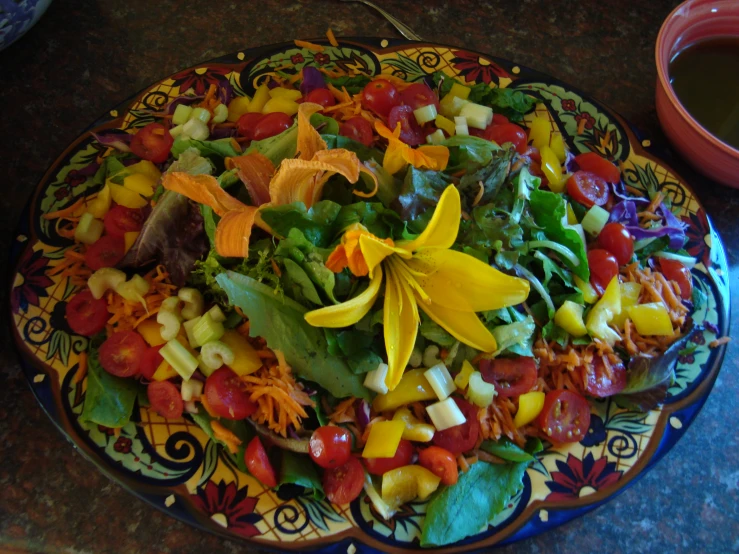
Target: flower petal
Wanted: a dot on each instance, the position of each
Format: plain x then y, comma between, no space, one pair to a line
309,140
203,189
349,312
434,157
400,320
443,228
375,250
463,326
233,232
461,282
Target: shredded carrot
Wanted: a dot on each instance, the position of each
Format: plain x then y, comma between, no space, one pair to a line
66,212
581,126
243,329
309,45
226,436
127,314
295,78
344,412
82,369
276,268
656,201
462,462
204,402
331,38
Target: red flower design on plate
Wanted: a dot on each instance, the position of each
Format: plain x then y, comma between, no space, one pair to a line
589,119
697,229
297,58
61,193
322,59
200,79
31,281
106,430
233,503
575,474
569,105
75,178
477,69
123,445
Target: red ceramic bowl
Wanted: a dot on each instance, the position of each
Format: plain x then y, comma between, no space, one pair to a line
690,22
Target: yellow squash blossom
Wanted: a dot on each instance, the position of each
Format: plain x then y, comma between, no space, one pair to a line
399,154
449,286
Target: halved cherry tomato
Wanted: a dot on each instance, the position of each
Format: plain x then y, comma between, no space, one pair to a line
152,143
107,251
507,132
441,463
565,416
617,240
675,271
258,464
511,376
357,128
593,163
320,96
419,95
120,220
344,483
226,397
330,446
411,132
588,189
598,383
247,124
272,124
603,267
460,438
499,119
403,457
150,361
121,353
86,315
165,399
380,96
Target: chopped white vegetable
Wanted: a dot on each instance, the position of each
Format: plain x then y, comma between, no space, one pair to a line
375,379
445,414
440,380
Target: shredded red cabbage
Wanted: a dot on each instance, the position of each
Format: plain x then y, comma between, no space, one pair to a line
625,214
114,139
312,79
186,99
362,409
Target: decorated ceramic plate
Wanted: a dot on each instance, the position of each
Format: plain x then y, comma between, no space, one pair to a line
173,465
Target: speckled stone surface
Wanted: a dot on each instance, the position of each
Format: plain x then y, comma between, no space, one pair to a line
85,57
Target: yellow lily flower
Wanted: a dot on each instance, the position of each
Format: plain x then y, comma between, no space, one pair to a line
449,286
399,154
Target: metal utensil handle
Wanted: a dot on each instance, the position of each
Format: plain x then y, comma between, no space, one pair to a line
402,28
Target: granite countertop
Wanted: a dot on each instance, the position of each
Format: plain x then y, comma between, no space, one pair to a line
85,57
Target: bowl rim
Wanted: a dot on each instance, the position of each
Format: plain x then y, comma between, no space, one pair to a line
664,81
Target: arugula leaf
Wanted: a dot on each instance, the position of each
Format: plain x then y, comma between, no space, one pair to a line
190,161
310,259
111,166
278,147
299,470
523,183
464,508
317,224
280,322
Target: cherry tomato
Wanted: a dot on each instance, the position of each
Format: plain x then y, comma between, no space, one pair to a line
226,397
107,251
150,361
507,132
593,163
499,119
411,132
320,96
330,446
121,353
258,464
152,143
675,271
120,220
344,483
588,189
511,377
357,128
380,96
617,240
598,383
441,463
603,267
247,123
565,416
419,95
460,438
86,315
403,457
165,399
271,124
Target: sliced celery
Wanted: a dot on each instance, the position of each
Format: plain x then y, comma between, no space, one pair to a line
170,324
188,326
200,114
181,114
193,300
479,392
440,380
214,354
207,330
425,114
196,129
104,279
217,314
88,229
179,358
594,220
445,414
436,137
375,379
220,113
191,390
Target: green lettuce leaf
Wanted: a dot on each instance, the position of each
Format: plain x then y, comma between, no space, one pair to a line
378,219
214,150
504,448
324,124
317,224
300,470
364,153
278,147
352,83
421,190
466,150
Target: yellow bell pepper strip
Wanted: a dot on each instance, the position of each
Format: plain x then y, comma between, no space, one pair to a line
552,169
608,307
399,154
261,96
129,238
571,217
460,91
140,183
558,147
246,360
282,105
151,331
414,430
164,372
383,439
651,319
126,197
445,124
630,293
569,318
144,167
413,387
588,292
100,205
408,483
287,93
540,131
530,405
462,378
237,107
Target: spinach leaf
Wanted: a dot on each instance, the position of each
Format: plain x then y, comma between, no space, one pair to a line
388,187
241,429
317,224
297,284
508,450
278,147
299,470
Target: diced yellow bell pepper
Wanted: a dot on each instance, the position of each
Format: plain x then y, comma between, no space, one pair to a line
540,131
286,93
569,318
608,307
383,440
460,91
413,387
164,372
588,292
558,147
445,124
238,107
145,167
651,319
282,105
129,239
552,169
630,293
140,183
151,331
571,217
100,205
529,406
246,359
407,483
261,96
126,197
414,429
462,378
